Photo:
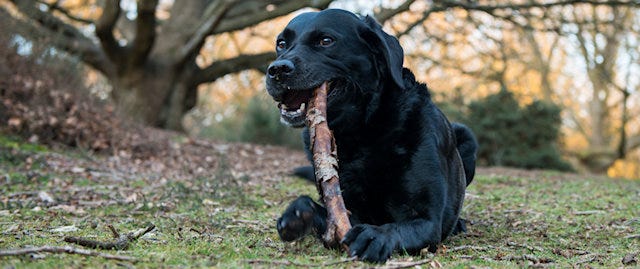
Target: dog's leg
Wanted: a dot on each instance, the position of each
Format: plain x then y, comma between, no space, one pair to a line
461,227
303,216
306,172
376,243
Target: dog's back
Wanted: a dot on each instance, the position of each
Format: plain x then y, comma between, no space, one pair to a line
465,142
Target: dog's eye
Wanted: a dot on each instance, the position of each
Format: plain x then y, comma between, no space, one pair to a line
326,41
281,44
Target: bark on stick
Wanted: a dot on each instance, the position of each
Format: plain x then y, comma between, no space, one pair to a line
325,162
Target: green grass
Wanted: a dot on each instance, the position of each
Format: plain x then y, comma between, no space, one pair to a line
16,143
569,221
226,222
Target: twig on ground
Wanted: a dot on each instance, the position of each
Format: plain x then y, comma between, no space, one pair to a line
519,211
22,193
531,248
527,257
589,258
520,258
126,265
121,243
569,253
115,233
247,221
291,263
632,236
487,259
180,233
400,264
64,249
463,247
588,212
276,262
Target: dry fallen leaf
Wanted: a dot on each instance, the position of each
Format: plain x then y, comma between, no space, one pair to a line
630,259
12,228
69,209
46,197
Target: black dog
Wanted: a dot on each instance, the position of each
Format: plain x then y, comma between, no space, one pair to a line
403,167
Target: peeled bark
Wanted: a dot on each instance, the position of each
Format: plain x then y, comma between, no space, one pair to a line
325,161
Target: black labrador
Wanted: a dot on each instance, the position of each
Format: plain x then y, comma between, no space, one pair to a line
403,167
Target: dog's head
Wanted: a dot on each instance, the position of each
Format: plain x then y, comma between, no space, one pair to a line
353,54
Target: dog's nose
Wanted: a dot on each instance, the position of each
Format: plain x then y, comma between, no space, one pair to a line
280,68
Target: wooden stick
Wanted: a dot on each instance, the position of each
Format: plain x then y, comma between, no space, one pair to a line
121,243
65,249
325,162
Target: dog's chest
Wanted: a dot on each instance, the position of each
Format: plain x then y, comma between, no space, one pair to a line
369,185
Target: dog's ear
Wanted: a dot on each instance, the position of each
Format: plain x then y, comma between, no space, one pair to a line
387,45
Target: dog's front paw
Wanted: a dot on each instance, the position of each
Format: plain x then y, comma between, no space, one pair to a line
297,219
370,243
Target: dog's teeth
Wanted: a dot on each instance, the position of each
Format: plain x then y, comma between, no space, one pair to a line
283,106
301,108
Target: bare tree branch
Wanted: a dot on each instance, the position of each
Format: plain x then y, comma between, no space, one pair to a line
541,62
214,14
439,6
56,7
104,29
65,37
472,5
239,17
425,16
387,13
627,143
223,67
241,22
580,126
145,31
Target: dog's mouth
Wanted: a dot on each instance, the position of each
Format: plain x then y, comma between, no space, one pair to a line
293,107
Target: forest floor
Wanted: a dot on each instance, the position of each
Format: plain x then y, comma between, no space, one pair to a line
214,204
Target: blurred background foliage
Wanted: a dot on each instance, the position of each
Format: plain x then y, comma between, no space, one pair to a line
517,136
544,84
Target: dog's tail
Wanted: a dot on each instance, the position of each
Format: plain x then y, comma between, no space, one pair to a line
305,172
467,147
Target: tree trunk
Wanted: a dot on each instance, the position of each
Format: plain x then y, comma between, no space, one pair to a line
180,100
598,113
154,98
